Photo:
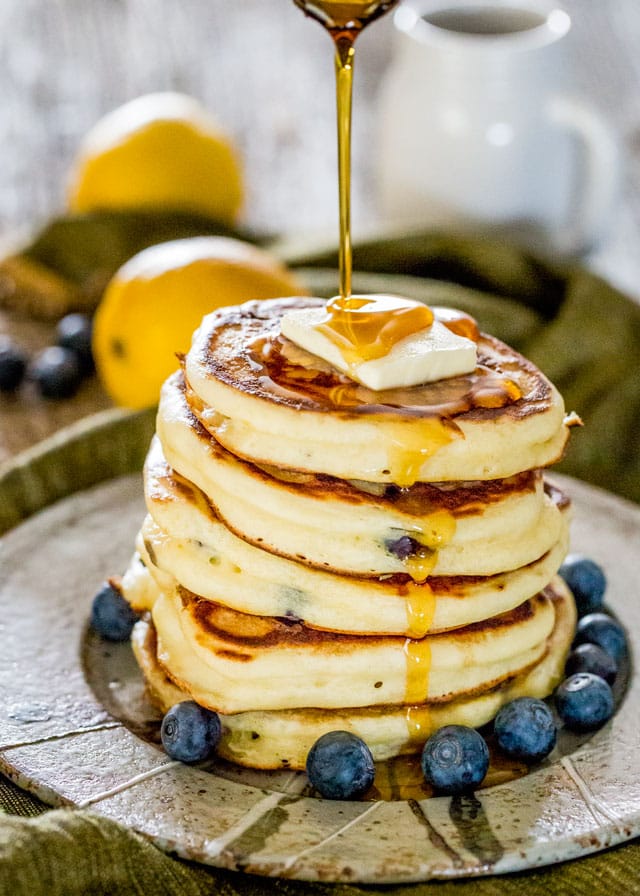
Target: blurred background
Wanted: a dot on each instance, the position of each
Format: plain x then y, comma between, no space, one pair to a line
266,73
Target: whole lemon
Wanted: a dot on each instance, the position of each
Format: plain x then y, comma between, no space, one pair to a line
161,150
157,299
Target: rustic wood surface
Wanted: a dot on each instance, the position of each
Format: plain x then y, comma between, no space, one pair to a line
267,73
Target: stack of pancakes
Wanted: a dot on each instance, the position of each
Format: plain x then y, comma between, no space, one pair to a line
320,556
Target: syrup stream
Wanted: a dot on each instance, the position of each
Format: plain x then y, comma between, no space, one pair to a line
344,21
344,59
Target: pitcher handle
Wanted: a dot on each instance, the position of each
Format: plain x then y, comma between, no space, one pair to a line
596,190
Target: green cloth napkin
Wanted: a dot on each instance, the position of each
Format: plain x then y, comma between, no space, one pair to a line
586,336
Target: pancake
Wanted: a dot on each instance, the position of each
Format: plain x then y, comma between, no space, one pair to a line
478,528
397,549
227,570
278,739
232,662
181,508
267,401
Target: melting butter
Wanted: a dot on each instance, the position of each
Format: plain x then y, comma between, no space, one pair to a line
367,327
382,342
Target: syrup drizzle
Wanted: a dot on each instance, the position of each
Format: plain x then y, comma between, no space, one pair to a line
408,448
367,327
418,657
420,566
438,529
428,413
418,721
459,322
311,386
363,328
344,22
421,607
344,59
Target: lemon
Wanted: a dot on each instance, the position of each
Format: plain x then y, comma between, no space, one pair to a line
161,150
157,299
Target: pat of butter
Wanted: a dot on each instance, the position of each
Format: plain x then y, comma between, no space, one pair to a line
434,353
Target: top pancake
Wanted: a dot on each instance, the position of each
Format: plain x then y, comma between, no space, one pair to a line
268,401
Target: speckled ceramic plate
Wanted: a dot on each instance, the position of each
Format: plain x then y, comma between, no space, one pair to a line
76,730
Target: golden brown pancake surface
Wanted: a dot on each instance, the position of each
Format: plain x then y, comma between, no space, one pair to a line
245,350
268,401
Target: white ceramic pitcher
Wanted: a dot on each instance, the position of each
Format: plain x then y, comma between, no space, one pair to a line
476,129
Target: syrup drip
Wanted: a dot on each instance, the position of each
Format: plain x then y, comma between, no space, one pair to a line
421,601
420,566
367,327
418,720
440,528
418,659
408,448
421,607
489,398
458,322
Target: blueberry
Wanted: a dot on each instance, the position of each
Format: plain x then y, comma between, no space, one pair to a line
455,759
584,702
56,372
587,582
525,729
13,364
402,547
600,629
74,332
111,615
591,658
340,766
189,732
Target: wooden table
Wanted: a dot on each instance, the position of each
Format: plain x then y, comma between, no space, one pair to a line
268,75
